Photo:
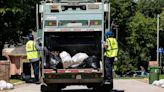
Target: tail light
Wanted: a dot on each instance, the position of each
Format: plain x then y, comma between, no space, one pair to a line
50,23
95,22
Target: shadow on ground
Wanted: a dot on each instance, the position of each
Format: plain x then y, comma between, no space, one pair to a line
89,90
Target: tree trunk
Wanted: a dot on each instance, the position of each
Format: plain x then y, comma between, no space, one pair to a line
1,49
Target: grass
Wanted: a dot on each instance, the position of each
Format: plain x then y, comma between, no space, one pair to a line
161,76
131,78
15,81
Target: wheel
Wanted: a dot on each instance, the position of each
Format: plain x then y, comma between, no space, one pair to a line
50,88
104,88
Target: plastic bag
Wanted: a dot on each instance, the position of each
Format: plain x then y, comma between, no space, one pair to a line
65,57
91,62
5,85
79,57
55,62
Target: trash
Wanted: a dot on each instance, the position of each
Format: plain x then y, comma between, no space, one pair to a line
55,60
159,83
92,62
4,85
74,66
66,57
155,83
162,86
79,57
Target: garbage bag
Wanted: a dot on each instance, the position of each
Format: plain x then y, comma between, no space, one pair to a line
92,62
3,85
161,81
79,57
65,56
9,86
74,66
77,66
55,62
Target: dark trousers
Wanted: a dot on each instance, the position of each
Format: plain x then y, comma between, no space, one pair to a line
109,68
35,66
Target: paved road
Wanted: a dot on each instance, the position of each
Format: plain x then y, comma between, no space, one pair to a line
135,86
119,86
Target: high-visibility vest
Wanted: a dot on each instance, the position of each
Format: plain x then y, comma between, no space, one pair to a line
31,50
112,49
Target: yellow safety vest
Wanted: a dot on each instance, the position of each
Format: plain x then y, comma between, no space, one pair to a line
31,50
112,49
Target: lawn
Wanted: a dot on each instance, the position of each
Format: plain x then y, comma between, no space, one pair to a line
13,81
161,76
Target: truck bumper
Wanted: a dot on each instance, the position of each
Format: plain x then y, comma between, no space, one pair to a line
74,81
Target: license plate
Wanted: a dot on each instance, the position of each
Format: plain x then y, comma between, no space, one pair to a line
78,76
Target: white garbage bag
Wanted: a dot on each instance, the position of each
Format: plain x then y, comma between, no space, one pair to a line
65,56
155,83
3,85
161,82
162,85
79,57
9,86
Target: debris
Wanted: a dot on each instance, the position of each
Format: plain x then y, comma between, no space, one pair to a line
4,85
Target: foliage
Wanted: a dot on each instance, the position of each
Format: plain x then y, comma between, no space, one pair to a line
142,37
137,31
161,32
16,18
150,8
125,63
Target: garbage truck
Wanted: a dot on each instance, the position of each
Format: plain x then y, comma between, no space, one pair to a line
73,26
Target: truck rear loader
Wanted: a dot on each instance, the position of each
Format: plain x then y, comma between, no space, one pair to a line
73,26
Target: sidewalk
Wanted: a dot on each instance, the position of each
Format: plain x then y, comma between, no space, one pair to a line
133,85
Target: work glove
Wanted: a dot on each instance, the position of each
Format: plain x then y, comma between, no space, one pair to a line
115,59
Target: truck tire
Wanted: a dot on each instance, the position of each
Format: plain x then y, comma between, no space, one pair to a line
103,88
50,88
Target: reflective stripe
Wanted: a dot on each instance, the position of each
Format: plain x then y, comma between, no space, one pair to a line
112,49
31,50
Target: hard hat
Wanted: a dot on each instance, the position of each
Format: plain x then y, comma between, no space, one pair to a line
109,33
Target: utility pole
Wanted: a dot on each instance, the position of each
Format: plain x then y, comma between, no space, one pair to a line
158,38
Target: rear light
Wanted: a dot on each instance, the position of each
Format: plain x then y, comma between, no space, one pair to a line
50,23
93,6
95,22
54,8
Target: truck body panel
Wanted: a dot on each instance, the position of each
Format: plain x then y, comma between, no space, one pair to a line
73,27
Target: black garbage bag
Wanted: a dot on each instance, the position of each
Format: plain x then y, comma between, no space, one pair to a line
55,62
92,62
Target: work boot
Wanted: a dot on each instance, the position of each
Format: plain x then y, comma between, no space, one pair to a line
37,82
108,81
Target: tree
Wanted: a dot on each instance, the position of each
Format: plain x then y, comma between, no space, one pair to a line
150,8
142,38
16,18
121,13
137,30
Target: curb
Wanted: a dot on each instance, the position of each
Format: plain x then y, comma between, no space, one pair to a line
18,83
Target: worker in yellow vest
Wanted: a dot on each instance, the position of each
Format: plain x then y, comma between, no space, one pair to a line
110,53
33,56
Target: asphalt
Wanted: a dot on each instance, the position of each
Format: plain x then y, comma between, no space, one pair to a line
120,85
133,85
